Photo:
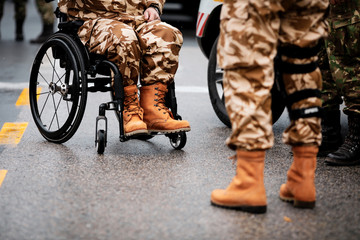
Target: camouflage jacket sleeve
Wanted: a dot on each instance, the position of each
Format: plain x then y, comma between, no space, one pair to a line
156,3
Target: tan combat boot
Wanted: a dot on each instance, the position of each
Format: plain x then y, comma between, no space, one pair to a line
133,113
157,116
246,192
300,186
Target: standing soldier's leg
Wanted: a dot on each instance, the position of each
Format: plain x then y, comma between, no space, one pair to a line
119,43
301,29
330,124
160,44
20,14
247,47
47,17
345,66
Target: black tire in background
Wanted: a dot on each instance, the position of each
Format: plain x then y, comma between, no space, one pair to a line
215,86
216,91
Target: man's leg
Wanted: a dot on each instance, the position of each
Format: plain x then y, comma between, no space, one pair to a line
248,79
120,46
20,15
330,123
47,17
160,44
303,25
345,66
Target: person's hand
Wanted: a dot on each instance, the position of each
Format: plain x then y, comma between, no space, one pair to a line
151,14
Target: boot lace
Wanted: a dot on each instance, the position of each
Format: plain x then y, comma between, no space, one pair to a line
350,144
131,104
161,102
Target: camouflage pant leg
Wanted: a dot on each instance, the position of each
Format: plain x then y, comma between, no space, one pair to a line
303,131
330,95
247,46
344,57
246,49
117,41
20,10
160,44
303,25
46,12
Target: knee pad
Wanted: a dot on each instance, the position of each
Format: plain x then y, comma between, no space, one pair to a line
295,52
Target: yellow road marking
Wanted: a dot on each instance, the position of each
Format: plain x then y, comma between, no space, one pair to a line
2,175
11,133
24,97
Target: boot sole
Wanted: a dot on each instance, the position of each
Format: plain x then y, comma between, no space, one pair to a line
297,203
331,162
250,209
169,131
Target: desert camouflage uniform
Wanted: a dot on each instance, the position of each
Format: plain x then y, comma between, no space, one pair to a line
341,71
46,12
117,29
250,32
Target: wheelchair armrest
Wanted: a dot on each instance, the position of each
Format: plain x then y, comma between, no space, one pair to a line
71,26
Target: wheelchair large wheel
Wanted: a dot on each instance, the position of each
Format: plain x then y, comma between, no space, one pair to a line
216,91
57,88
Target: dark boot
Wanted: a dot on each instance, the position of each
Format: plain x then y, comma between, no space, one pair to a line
19,35
331,132
349,152
48,29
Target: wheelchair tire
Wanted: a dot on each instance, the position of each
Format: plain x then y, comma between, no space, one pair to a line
101,141
178,140
57,88
216,91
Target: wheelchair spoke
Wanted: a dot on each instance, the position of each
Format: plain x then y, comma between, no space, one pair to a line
59,80
53,66
44,78
39,94
43,107
56,113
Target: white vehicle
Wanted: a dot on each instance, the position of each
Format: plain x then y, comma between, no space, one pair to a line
207,32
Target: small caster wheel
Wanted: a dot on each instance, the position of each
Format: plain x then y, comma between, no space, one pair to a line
178,140
101,141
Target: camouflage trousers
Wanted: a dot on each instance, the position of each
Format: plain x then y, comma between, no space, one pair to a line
46,12
249,35
149,50
20,9
341,70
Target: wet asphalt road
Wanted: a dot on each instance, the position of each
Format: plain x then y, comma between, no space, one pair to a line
145,189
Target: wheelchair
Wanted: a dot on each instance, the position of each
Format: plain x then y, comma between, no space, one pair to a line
62,74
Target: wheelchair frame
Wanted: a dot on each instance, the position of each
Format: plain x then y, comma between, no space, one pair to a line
75,72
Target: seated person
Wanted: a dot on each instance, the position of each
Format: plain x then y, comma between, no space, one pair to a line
131,35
